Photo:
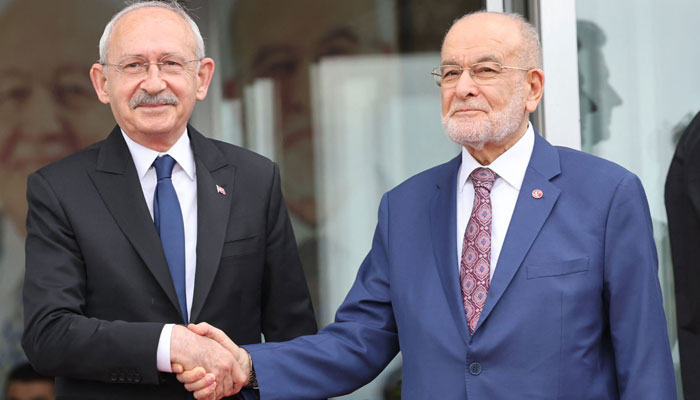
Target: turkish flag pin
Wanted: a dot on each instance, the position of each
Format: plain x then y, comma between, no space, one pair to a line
537,194
220,190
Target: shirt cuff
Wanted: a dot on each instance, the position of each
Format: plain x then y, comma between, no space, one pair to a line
163,353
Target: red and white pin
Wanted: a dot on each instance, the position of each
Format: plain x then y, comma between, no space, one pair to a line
220,190
537,194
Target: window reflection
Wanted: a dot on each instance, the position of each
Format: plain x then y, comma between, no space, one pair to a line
597,98
278,42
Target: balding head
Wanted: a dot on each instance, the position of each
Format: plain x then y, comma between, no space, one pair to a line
530,49
171,5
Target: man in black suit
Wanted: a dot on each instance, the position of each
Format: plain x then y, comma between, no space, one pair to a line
683,210
106,290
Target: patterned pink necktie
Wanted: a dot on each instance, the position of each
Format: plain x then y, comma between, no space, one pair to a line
474,271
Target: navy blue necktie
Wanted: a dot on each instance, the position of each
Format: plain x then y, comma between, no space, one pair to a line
168,219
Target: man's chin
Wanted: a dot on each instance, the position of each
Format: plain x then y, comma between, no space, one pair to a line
472,136
160,125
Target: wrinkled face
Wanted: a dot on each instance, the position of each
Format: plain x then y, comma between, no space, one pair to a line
47,106
281,40
476,114
153,106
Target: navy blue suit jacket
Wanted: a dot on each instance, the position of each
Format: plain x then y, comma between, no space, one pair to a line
574,310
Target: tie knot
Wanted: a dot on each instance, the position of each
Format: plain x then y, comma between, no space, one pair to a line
483,177
164,166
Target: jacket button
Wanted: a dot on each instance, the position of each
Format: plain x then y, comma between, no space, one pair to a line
475,368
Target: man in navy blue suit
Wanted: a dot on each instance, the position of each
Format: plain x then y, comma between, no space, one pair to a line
517,270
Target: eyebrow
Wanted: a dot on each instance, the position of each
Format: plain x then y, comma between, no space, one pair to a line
340,33
159,57
69,69
16,73
269,50
484,58
12,72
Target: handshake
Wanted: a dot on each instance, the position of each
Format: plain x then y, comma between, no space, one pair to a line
209,364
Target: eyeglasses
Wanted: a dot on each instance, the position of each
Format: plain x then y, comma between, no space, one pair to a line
169,64
483,73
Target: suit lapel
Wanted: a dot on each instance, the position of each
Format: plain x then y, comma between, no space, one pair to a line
213,210
118,184
528,218
443,231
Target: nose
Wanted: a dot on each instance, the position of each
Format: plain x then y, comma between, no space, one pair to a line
296,87
153,81
466,86
42,115
613,98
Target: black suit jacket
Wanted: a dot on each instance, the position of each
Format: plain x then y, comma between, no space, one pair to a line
98,290
683,210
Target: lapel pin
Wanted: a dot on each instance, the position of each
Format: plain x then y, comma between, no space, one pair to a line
537,194
220,190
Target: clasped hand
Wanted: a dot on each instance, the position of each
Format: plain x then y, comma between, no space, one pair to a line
209,364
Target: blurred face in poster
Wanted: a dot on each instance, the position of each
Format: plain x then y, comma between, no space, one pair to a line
281,40
30,390
47,105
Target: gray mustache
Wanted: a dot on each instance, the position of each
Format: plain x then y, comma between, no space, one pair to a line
145,99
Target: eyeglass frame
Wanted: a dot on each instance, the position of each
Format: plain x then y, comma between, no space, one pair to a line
437,76
146,64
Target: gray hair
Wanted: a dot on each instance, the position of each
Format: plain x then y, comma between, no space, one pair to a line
531,53
168,5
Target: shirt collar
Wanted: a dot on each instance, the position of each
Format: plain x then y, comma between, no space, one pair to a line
144,157
511,165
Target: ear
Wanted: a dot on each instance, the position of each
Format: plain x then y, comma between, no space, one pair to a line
99,82
206,72
535,79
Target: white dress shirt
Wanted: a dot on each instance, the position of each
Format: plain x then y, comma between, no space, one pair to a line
184,179
510,168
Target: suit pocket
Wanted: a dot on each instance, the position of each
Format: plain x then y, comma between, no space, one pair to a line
242,246
543,270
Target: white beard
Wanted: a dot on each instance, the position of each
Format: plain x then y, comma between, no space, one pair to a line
476,132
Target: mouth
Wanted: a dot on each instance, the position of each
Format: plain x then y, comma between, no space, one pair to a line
152,107
24,164
468,111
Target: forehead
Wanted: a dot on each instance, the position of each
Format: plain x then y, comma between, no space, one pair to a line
151,31
298,24
482,37
68,35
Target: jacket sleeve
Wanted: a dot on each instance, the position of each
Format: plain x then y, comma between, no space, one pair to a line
633,298
59,339
347,353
